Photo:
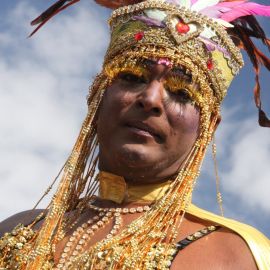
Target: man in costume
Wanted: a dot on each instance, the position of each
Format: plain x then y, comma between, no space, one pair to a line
153,110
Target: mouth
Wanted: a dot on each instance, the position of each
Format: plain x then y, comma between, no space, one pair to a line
144,130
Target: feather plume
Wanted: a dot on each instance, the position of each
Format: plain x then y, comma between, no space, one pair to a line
202,4
113,4
211,45
224,23
218,10
51,12
244,9
149,21
156,14
63,4
215,11
244,29
185,3
182,3
175,2
232,10
48,12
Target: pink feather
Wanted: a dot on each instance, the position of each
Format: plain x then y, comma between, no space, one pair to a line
244,10
218,10
215,11
230,11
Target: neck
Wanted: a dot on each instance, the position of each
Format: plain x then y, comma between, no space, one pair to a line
115,188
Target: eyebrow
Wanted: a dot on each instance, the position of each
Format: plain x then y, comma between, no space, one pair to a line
180,72
176,71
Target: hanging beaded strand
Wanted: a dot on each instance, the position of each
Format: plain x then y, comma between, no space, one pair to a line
81,236
141,230
219,195
42,251
92,261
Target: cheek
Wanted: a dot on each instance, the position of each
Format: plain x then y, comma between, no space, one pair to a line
116,99
115,103
184,119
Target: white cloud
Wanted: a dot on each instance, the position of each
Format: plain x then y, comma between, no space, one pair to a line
247,158
243,155
43,79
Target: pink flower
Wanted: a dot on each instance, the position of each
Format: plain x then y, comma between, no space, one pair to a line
164,61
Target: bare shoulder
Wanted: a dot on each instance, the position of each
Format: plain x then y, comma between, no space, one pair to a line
25,217
235,249
222,249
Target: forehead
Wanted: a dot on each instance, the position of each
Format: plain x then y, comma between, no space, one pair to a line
179,71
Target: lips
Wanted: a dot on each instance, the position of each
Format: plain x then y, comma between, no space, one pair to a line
146,129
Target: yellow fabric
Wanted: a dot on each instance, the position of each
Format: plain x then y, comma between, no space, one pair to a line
223,65
114,188
149,193
257,242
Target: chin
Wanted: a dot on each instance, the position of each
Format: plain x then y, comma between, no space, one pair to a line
139,161
135,156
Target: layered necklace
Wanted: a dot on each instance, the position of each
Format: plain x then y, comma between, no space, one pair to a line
112,188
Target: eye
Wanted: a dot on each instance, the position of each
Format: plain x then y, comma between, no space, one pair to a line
131,78
184,95
181,95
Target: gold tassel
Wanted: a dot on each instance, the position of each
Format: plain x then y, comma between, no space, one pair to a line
70,186
219,196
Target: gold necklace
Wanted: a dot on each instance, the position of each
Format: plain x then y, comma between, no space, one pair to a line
79,239
113,188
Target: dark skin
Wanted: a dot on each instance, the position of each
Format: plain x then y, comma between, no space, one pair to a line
145,133
133,105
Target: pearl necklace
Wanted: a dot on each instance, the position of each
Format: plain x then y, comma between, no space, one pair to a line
79,239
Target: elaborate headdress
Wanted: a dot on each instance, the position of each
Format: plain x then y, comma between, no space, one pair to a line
229,21
202,37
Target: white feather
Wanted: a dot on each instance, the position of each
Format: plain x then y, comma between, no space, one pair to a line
155,14
185,3
201,4
224,23
208,33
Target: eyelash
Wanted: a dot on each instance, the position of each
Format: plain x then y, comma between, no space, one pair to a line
130,77
179,88
182,95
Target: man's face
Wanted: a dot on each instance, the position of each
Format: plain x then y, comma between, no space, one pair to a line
147,124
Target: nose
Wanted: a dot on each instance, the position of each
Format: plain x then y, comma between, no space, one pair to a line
150,99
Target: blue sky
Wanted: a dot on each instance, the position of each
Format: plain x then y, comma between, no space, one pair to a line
44,81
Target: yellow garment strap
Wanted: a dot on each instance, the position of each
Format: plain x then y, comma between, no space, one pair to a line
257,242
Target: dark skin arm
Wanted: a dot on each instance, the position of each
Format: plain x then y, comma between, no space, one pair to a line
25,217
221,250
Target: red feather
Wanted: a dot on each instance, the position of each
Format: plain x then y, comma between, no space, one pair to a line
51,12
244,29
113,4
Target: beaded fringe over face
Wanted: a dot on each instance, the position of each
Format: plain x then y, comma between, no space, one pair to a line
151,30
